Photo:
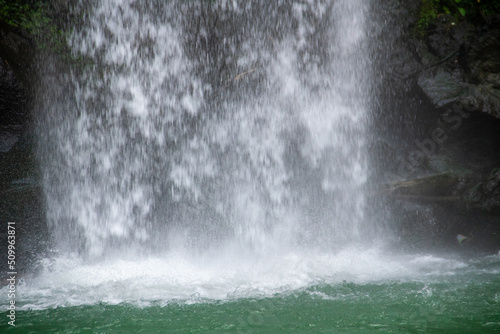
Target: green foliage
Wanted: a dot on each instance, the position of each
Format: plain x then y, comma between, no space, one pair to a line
32,16
428,12
18,13
474,11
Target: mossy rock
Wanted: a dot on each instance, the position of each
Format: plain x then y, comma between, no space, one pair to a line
435,186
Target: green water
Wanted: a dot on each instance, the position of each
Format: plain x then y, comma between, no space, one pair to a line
452,303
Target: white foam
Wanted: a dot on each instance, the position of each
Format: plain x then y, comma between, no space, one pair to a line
178,277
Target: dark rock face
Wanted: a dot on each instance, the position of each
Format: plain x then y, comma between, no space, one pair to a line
16,137
13,114
465,77
21,198
485,195
439,129
17,52
464,65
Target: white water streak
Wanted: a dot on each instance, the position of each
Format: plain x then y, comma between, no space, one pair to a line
147,154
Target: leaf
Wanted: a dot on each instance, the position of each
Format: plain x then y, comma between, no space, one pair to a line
462,11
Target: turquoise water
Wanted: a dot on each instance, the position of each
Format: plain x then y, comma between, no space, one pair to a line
448,296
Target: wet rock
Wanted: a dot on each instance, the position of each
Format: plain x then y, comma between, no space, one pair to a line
447,35
492,185
485,194
461,189
435,187
17,52
21,199
465,67
484,64
441,190
431,212
443,87
13,114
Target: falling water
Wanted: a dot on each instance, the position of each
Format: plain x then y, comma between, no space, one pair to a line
215,148
195,123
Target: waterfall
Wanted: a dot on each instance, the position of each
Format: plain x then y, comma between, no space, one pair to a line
211,166
202,125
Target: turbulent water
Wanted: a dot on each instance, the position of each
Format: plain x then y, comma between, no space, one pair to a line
353,292
197,124
205,170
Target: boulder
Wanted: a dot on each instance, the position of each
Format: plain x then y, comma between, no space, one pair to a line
464,67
